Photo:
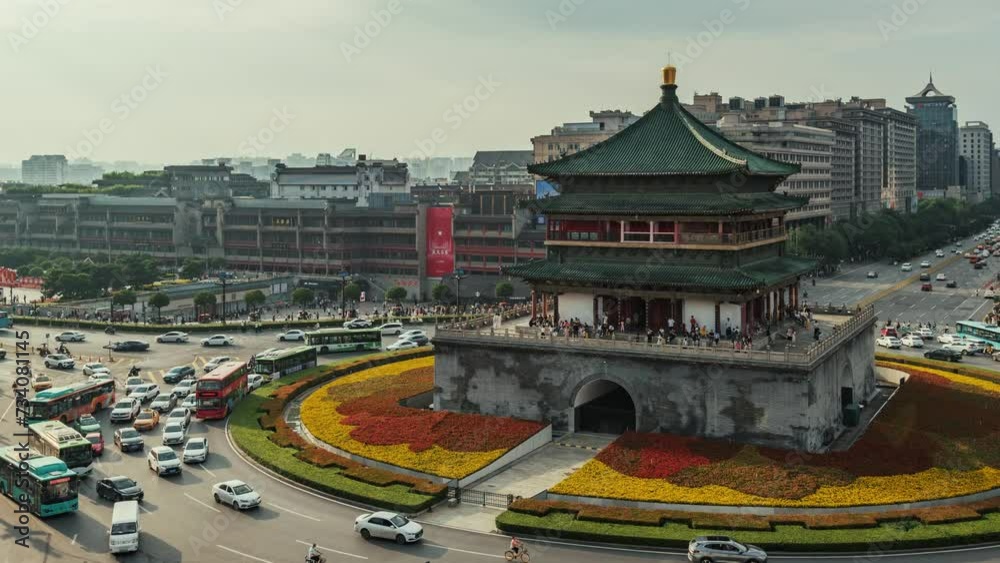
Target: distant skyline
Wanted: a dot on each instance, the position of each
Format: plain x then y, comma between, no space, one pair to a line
174,81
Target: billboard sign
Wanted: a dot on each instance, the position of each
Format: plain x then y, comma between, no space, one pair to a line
440,242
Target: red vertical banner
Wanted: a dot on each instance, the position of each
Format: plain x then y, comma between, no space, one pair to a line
7,277
440,242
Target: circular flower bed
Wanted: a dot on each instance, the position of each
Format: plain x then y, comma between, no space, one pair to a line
362,414
938,438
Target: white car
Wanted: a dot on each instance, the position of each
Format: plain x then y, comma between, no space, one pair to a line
939,253
94,367
59,361
889,342
941,277
163,461
173,336
924,332
100,376
292,335
254,381
401,345
358,323
237,494
182,389
195,451
145,393
71,336
180,415
912,341
133,382
413,334
174,433
966,347
216,362
391,329
950,338
217,340
907,267
125,410
189,403
925,264
163,403
388,525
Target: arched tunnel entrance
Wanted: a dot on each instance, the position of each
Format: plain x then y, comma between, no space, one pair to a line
603,407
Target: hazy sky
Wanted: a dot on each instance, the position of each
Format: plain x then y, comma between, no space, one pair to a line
176,80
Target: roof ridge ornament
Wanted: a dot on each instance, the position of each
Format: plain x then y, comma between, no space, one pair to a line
704,142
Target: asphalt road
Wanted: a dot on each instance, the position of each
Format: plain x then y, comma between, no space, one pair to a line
180,521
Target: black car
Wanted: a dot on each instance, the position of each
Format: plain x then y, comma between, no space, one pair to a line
952,284
130,346
942,354
119,488
3,354
419,340
925,277
178,373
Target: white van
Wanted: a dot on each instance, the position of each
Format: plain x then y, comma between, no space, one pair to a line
124,533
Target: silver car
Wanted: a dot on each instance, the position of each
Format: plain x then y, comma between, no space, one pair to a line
388,525
708,549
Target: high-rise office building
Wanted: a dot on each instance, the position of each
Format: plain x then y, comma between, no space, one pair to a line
45,170
937,141
977,149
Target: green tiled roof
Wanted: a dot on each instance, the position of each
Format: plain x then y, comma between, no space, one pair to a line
627,274
668,204
667,141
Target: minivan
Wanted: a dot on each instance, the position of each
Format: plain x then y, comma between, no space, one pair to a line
124,533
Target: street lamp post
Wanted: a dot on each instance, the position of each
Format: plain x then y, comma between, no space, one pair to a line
344,276
459,275
223,276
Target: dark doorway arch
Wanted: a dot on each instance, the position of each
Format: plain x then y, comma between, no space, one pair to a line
603,407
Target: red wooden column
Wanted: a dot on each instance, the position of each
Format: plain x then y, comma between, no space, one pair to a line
534,304
545,305
718,314
743,316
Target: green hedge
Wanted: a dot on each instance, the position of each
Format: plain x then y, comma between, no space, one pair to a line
953,367
888,536
255,442
206,327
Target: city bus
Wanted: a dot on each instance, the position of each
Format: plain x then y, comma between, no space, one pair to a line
6,320
48,486
55,439
345,340
217,393
277,363
72,401
990,334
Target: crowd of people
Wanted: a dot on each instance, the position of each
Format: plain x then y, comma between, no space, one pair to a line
691,333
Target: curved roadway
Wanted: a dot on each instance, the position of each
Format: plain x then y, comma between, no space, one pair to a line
180,521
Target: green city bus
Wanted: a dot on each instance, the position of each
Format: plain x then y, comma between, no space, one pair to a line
49,486
345,340
277,363
53,438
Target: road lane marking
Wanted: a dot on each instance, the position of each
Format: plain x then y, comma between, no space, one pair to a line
231,550
144,509
208,470
493,555
279,507
333,550
7,410
74,539
208,506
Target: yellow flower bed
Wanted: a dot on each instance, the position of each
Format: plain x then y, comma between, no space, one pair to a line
987,386
319,414
596,479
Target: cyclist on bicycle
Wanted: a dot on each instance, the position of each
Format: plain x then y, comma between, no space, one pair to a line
313,556
516,546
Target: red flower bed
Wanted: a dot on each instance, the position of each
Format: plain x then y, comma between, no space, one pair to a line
658,456
373,408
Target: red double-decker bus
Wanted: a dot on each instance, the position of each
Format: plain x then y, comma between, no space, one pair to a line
217,393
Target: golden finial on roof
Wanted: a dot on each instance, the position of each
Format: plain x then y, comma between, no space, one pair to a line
670,75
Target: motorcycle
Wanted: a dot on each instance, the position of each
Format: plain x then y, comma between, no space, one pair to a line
320,560
109,330
133,372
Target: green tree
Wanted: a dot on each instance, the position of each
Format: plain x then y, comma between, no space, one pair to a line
352,292
139,270
504,290
442,293
124,297
396,294
303,297
159,300
204,302
193,268
254,299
